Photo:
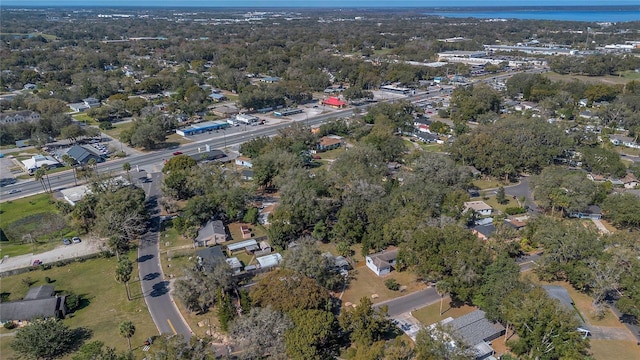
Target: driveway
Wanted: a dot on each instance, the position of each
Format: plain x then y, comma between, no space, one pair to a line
88,246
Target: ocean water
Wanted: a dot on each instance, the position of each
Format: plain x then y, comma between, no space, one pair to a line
575,14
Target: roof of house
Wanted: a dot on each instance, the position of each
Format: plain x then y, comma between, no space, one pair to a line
268,261
384,258
477,205
39,160
234,263
76,193
213,154
334,101
422,120
486,230
328,141
82,154
629,178
29,309
474,328
210,229
211,254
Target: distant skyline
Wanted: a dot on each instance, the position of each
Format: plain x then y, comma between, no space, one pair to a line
315,4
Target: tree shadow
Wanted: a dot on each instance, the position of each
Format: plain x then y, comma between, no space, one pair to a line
160,289
79,336
4,296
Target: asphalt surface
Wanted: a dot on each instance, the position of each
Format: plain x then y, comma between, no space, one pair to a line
410,302
155,288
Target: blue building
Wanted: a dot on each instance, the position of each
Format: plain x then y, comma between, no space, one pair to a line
202,127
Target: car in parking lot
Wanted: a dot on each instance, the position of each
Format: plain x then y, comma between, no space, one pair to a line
76,240
66,241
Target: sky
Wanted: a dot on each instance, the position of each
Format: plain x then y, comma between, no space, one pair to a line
315,4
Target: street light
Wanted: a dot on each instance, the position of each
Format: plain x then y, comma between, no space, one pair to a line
224,135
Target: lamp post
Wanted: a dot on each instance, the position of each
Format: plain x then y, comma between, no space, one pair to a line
224,135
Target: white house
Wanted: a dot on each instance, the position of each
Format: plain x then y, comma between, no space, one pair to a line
382,262
479,207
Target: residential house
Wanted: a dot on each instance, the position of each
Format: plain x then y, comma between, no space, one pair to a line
620,140
485,231
476,331
78,107
427,137
338,262
596,177
18,117
246,174
327,143
422,124
244,161
82,154
630,181
270,79
334,102
91,102
479,207
75,194
40,301
217,97
382,262
213,232
592,212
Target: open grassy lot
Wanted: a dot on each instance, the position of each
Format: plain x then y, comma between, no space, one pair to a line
486,184
365,283
82,117
24,222
236,235
106,303
509,202
175,138
608,79
431,314
118,128
615,349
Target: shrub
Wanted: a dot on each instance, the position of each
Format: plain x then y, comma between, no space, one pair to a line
392,284
515,210
73,301
9,325
47,280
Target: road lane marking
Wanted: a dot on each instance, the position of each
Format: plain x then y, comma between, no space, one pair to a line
172,328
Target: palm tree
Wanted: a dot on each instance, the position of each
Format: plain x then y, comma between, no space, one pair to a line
123,274
39,176
127,167
127,329
71,162
46,174
442,287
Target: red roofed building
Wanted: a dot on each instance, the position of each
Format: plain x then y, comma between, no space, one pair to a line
334,102
329,143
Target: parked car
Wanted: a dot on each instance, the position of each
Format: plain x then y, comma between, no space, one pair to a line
66,241
76,240
37,262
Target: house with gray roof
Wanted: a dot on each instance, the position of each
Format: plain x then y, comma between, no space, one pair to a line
382,262
40,301
210,256
476,331
212,232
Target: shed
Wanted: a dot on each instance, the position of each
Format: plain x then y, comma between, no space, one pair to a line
240,246
269,261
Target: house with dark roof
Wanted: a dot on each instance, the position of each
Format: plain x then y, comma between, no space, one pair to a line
40,301
476,331
210,255
382,262
82,154
212,232
484,232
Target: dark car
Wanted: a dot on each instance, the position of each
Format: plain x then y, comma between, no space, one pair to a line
37,262
66,241
177,153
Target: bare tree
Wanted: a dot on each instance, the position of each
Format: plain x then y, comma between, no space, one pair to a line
261,333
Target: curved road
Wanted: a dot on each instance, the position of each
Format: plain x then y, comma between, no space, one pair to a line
155,288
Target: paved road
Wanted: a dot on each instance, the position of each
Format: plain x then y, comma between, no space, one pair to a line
413,301
155,288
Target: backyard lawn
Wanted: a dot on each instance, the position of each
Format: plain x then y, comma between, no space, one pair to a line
620,349
365,283
118,128
106,304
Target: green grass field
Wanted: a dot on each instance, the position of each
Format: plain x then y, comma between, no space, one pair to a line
82,117
29,214
118,128
624,78
431,314
107,303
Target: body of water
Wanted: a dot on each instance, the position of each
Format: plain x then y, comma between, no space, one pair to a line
575,14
